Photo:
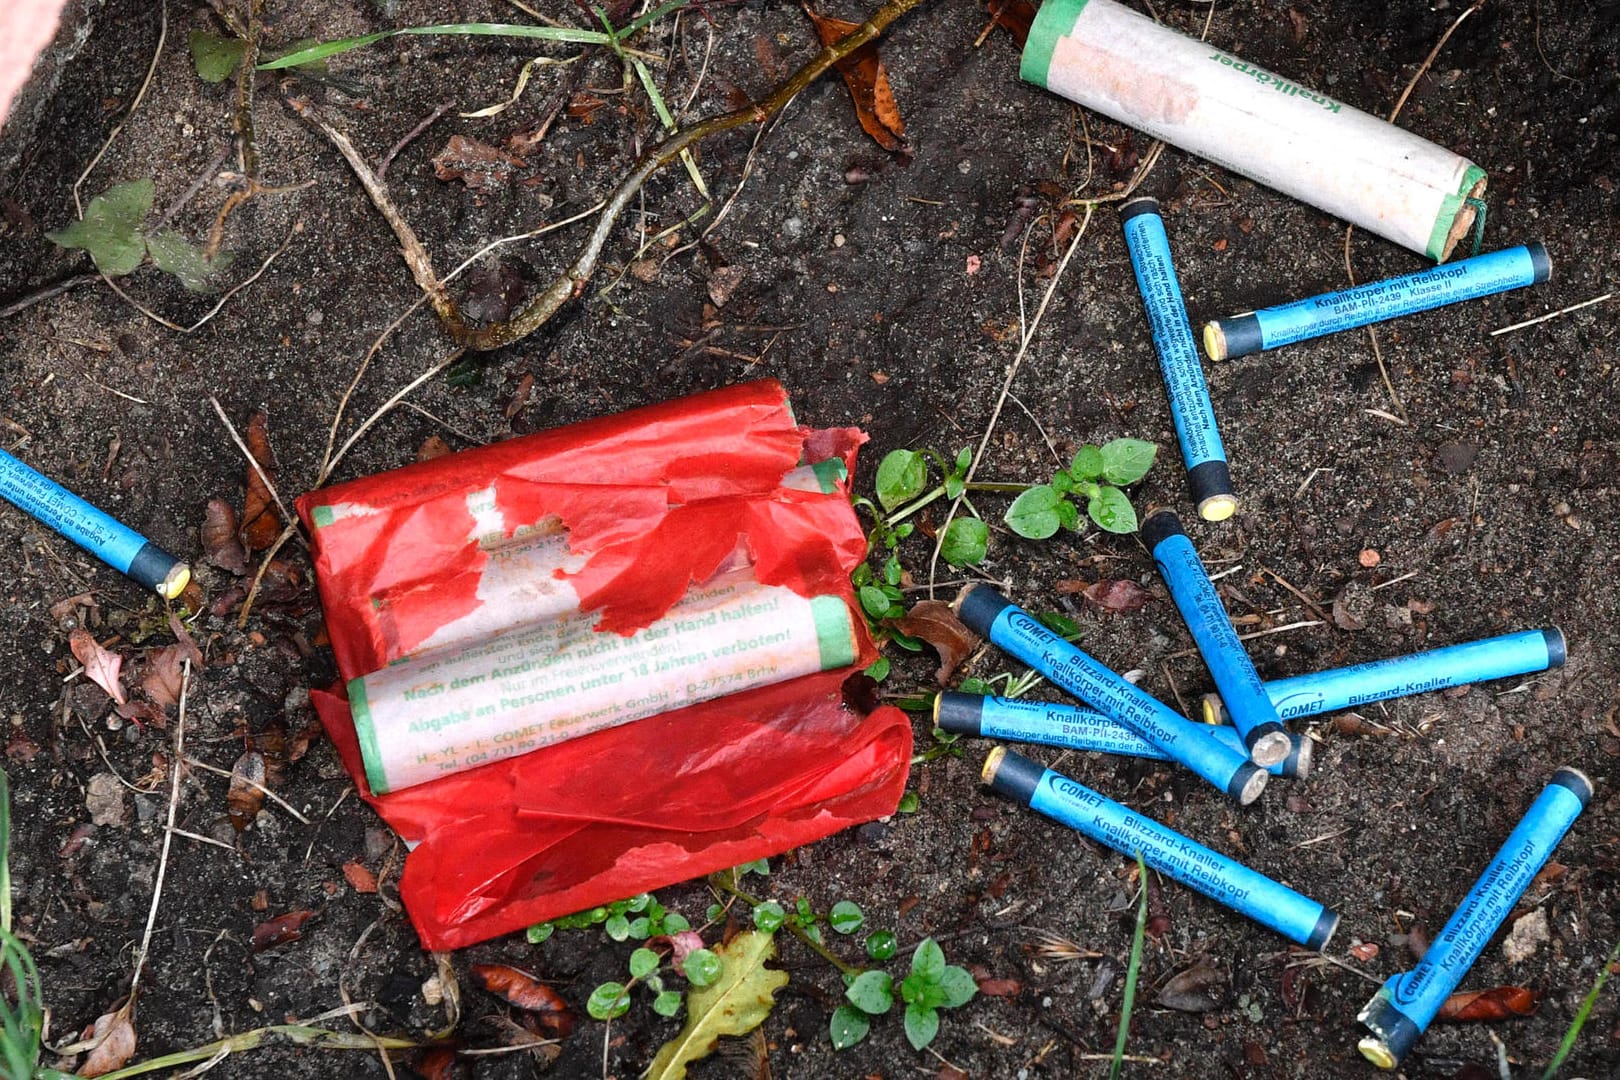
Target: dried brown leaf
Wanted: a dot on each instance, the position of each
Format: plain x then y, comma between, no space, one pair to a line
518,987
1200,988
439,1063
100,665
62,609
20,748
359,878
261,521
583,106
243,800
115,1032
1299,23
937,624
298,742
219,540
867,80
185,643
750,1057
1343,617
520,396
527,992
1117,596
493,293
482,167
861,693
280,930
1000,987
432,447
142,713
165,669
1497,1003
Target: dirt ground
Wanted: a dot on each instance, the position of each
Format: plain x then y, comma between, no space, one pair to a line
883,290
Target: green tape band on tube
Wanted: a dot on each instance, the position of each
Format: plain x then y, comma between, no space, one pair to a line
1450,207
1054,20
834,633
376,779
829,474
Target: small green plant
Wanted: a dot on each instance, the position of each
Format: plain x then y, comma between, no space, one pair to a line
1097,474
931,986
946,744
112,232
1250,1008
214,56
901,478
639,918
677,950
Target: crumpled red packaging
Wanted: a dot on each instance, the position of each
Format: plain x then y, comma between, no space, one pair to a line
653,501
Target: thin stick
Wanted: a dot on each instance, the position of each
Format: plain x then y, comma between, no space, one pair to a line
1307,601
1395,581
264,565
1336,962
277,799
247,154
416,256
1428,61
163,858
1504,330
1372,336
202,178
163,36
202,839
1302,624
388,405
1016,400
410,136
54,289
253,462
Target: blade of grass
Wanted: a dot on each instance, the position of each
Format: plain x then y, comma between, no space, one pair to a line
651,17
1130,973
1581,1016
324,49
668,121
20,1023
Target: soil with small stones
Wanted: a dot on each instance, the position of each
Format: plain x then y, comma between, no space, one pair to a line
885,291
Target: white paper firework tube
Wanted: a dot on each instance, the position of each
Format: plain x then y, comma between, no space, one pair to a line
1265,127
455,709
524,579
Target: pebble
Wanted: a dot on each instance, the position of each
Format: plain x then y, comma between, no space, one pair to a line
1528,934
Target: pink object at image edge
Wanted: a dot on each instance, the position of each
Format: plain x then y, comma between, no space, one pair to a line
26,27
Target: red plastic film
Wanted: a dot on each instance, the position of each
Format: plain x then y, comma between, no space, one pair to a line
636,508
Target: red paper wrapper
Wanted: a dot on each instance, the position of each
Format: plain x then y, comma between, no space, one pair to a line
653,500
